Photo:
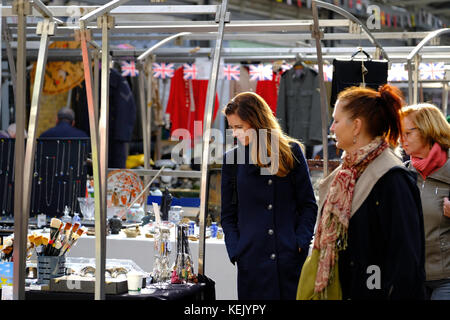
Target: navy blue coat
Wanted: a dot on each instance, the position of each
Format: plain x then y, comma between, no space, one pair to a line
274,217
386,231
63,130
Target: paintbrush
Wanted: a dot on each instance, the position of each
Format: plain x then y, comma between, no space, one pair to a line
65,235
73,240
57,249
38,245
55,228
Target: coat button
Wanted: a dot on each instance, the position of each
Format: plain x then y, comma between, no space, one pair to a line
270,232
269,207
269,182
352,263
273,256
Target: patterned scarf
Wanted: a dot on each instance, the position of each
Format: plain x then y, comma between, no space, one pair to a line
331,235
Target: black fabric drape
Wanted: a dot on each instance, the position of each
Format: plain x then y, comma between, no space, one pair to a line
347,73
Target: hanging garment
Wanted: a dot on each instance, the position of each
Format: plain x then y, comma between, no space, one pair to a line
268,90
348,73
298,107
122,116
187,101
244,83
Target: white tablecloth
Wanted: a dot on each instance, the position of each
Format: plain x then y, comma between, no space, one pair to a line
141,250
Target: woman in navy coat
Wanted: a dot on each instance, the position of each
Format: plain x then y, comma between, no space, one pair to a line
268,208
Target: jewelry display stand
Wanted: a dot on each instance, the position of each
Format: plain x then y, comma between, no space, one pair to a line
59,176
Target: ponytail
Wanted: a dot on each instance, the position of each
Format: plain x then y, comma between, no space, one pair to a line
380,110
393,103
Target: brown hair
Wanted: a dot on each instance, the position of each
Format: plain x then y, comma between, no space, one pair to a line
430,122
251,108
380,110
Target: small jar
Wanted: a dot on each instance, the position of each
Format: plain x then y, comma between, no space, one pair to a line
175,214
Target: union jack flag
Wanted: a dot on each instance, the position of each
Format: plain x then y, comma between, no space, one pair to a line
285,67
260,72
231,72
129,69
327,71
189,71
163,70
397,72
432,71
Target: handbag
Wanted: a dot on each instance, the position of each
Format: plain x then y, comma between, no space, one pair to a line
305,289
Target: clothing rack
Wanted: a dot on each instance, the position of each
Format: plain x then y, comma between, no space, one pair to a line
100,21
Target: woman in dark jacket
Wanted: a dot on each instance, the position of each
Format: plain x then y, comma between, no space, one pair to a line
268,204
370,225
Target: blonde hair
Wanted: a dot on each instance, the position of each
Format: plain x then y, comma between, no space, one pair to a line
252,108
430,122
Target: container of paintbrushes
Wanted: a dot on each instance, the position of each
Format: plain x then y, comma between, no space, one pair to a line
50,267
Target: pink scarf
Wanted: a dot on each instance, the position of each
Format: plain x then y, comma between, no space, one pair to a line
331,235
436,159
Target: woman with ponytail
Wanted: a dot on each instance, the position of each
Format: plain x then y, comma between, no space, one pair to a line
369,238
426,139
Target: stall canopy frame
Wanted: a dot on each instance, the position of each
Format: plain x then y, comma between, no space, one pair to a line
105,22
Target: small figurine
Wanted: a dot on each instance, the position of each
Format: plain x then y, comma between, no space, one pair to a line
115,224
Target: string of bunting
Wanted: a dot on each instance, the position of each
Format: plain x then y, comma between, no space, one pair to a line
258,72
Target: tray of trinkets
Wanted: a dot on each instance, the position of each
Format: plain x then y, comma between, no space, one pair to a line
80,276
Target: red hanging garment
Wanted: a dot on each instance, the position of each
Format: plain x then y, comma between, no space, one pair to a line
187,101
268,90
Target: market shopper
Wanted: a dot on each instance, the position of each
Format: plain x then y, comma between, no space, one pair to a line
65,126
426,139
267,216
369,241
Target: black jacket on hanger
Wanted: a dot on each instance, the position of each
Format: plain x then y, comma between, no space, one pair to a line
348,73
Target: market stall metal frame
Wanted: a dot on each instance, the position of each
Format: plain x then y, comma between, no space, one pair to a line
22,8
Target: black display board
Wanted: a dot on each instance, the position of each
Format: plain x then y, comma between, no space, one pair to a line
59,176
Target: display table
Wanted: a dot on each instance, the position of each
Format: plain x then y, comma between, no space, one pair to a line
141,250
181,292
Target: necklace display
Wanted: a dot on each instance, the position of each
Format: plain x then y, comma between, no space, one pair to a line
8,156
78,160
51,170
64,194
82,159
1,157
13,167
47,200
68,156
62,159
59,196
5,194
9,199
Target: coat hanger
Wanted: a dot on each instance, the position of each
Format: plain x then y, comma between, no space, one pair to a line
299,62
360,50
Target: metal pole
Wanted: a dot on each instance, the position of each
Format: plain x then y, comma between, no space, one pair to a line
416,78
100,224
209,107
142,103
410,83
105,22
22,9
96,59
349,16
45,28
148,127
323,96
10,54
